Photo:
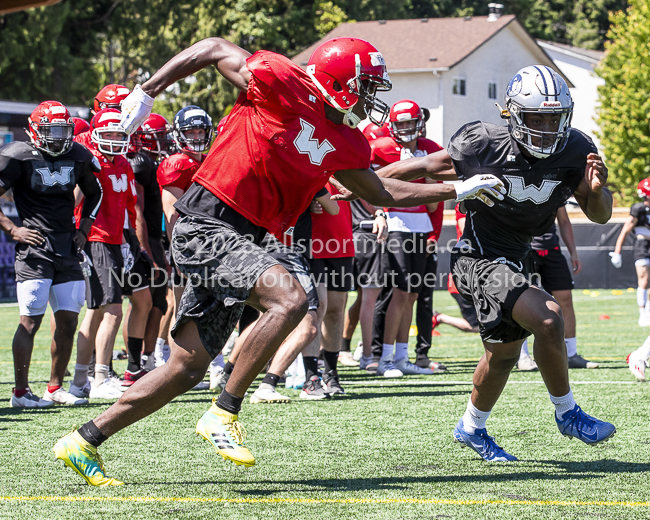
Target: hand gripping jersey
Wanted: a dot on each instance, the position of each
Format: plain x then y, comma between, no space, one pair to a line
177,171
278,148
44,189
120,196
641,212
536,188
144,169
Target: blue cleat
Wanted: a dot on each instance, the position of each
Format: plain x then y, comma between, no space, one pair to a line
482,444
588,429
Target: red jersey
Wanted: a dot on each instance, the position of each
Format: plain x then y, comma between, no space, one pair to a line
278,148
84,139
177,171
332,234
386,150
119,198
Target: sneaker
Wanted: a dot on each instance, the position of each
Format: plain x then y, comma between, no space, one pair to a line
226,434
106,390
331,383
132,377
161,355
313,389
588,429
61,396
80,391
148,362
578,361
364,362
358,352
219,381
637,365
83,458
434,366
29,400
386,368
482,444
372,366
267,393
527,363
347,360
202,385
410,369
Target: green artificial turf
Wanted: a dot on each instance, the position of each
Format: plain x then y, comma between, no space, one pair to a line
383,451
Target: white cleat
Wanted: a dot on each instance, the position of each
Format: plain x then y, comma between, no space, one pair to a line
527,364
358,352
637,365
347,359
266,393
29,400
61,396
644,319
148,362
106,390
219,381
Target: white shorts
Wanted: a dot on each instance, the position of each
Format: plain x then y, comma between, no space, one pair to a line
642,262
33,296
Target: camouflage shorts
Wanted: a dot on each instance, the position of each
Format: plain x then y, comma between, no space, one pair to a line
221,266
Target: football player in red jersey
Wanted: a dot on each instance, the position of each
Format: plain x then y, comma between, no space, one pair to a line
43,175
288,132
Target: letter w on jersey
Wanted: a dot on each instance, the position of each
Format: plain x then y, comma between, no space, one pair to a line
305,143
51,178
121,184
520,192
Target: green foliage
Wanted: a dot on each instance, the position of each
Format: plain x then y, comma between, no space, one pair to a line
625,104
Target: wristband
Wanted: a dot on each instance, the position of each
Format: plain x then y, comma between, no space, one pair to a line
380,213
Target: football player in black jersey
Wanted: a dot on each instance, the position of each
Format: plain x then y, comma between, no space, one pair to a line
541,161
43,175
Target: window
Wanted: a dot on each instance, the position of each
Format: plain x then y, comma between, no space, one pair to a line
459,87
492,90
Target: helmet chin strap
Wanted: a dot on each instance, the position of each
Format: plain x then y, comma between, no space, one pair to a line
351,119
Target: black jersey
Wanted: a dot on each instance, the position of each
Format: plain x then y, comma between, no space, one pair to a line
145,171
548,240
535,188
44,186
641,213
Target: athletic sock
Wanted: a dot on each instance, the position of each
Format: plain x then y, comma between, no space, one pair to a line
386,350
80,375
91,434
571,346
346,345
228,367
101,373
230,403
563,404
330,358
19,392
134,351
158,349
644,350
401,351
641,298
474,419
53,388
524,349
311,366
271,379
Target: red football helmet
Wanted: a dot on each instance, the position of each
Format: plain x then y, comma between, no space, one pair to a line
372,131
155,135
80,125
406,121
643,188
346,70
111,96
51,128
107,121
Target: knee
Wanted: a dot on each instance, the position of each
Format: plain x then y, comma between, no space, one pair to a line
67,326
296,305
551,327
30,325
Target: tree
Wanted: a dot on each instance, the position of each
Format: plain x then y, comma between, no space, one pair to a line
624,101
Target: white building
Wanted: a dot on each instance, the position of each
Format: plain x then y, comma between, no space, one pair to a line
456,67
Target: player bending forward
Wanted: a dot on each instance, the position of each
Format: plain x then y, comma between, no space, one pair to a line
289,131
542,162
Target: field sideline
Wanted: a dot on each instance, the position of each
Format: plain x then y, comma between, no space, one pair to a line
384,451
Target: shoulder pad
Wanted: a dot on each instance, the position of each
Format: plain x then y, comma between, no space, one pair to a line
21,151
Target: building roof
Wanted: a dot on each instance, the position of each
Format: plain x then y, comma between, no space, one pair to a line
421,44
588,55
12,6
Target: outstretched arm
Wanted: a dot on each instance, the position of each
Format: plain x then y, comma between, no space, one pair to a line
594,199
437,166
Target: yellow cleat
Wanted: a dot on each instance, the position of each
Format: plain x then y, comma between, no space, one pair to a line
82,457
226,434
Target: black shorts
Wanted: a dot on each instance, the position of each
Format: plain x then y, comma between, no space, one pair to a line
467,310
104,286
221,265
138,278
159,298
407,259
248,316
296,264
553,270
35,263
494,288
337,274
368,254
641,249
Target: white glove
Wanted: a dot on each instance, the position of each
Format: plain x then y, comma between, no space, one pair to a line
617,260
478,187
128,257
136,108
86,264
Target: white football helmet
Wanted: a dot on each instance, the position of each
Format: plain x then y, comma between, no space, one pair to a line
538,89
